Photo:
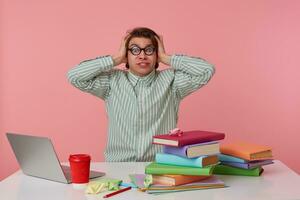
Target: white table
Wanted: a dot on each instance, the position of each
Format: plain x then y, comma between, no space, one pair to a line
277,182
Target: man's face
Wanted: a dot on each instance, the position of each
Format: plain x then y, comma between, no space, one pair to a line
141,64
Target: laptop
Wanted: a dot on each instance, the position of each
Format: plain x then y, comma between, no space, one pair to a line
36,157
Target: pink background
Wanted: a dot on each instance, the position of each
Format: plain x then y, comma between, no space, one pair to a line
253,96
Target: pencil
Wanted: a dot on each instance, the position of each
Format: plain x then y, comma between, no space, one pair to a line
116,192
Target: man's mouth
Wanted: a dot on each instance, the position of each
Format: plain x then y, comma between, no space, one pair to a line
143,64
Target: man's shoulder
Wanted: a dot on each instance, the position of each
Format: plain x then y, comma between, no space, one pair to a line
164,77
165,73
120,76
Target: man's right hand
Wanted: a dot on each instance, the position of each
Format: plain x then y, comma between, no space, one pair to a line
120,57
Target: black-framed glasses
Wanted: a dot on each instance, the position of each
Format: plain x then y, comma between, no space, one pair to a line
135,50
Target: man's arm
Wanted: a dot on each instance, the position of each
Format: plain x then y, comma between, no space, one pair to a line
190,73
94,75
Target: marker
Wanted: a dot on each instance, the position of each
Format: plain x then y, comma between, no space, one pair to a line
116,192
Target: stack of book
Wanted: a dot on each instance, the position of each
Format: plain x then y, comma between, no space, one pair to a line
187,161
243,158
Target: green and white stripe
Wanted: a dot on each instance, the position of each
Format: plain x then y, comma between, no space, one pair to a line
139,107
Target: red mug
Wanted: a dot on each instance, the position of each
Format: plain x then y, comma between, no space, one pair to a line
80,168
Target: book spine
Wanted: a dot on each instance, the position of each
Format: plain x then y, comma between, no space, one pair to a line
171,159
180,151
232,152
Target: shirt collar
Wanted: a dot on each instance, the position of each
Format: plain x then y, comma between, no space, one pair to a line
144,80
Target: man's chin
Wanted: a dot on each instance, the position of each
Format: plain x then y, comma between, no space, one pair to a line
142,72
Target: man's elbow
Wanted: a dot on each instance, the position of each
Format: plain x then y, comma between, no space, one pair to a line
71,76
211,69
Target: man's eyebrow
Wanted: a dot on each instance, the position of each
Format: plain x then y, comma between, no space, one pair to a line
139,46
134,45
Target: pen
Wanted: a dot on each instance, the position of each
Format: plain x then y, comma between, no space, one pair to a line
116,192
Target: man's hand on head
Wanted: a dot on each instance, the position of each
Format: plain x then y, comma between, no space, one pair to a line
120,56
162,56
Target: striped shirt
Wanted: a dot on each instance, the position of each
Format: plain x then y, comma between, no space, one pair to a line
139,107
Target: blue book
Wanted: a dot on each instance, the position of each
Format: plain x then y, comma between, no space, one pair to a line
227,158
170,159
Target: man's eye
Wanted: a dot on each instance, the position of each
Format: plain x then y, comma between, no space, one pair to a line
149,49
135,50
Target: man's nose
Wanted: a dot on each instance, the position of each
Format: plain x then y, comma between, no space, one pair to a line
142,54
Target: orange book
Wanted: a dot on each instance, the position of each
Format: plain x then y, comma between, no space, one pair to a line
247,151
174,180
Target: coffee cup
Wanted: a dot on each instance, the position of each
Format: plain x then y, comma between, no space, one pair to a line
80,170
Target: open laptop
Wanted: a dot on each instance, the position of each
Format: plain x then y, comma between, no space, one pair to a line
36,157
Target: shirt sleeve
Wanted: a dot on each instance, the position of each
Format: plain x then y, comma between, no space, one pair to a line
191,73
93,76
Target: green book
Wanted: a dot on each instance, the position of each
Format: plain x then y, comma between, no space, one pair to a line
228,170
155,168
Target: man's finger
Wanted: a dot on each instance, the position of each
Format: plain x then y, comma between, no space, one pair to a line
161,37
158,39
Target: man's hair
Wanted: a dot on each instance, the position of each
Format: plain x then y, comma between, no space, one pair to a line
144,33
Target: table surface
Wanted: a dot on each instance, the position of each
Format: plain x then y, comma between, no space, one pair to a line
277,182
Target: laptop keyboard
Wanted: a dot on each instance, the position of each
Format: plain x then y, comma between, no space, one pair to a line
93,174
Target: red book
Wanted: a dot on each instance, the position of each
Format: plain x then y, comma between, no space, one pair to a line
186,138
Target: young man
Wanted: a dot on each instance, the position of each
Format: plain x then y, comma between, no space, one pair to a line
141,102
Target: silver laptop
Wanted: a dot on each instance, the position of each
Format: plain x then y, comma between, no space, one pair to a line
36,157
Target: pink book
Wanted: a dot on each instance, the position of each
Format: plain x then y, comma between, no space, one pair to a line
187,138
